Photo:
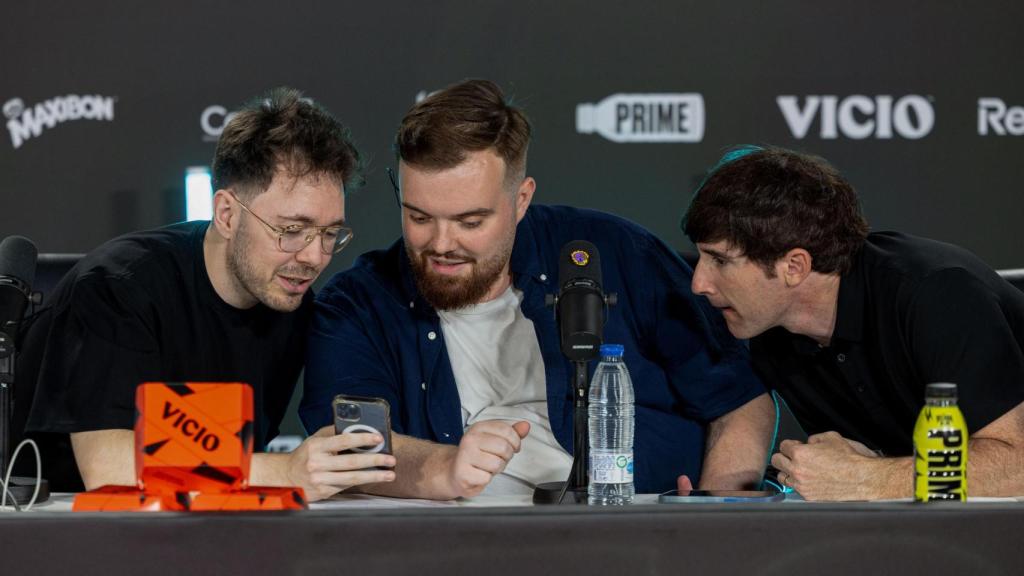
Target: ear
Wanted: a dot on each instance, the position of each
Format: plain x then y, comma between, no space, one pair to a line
795,266
226,213
523,196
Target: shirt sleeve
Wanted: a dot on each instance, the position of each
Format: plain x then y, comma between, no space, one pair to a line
99,346
345,355
957,332
705,364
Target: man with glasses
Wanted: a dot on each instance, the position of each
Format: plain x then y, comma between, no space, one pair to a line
225,300
449,325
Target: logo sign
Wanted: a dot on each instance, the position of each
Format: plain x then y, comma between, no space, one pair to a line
644,118
995,117
215,117
27,122
213,120
580,257
859,117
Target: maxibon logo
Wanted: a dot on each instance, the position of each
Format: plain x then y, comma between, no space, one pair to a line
859,117
25,123
996,117
666,117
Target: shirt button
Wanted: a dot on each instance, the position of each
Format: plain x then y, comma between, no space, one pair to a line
423,385
543,277
431,335
412,304
447,435
841,357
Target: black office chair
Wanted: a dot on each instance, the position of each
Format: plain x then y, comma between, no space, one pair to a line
1014,276
50,268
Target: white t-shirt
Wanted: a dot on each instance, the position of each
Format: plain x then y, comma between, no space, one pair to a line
499,372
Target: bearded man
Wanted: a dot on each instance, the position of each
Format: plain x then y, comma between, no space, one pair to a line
449,325
224,300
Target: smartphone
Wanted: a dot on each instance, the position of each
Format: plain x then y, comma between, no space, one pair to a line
720,496
359,414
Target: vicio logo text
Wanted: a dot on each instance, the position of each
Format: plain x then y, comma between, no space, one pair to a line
996,117
25,123
191,428
859,117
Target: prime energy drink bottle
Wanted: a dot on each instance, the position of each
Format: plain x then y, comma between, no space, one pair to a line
940,447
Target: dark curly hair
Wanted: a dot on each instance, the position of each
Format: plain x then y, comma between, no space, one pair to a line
469,116
283,129
767,201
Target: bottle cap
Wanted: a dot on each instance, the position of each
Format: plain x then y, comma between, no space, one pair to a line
612,350
940,390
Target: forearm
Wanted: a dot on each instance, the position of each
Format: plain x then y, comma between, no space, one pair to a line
994,468
422,470
737,446
105,457
269,469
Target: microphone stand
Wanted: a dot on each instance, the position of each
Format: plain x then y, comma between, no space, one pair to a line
574,490
20,488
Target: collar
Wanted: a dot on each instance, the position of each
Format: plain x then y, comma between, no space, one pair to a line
526,261
850,308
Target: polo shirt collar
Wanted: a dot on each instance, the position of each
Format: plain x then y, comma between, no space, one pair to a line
850,304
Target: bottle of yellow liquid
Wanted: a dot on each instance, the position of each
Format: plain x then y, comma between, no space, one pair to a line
940,447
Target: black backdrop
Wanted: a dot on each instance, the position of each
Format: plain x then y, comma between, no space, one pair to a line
151,83
157,67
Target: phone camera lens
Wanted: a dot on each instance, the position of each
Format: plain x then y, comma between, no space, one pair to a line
349,411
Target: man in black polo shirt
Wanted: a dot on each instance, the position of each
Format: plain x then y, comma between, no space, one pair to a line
221,301
848,327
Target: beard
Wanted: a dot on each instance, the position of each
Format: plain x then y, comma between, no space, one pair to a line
453,292
247,276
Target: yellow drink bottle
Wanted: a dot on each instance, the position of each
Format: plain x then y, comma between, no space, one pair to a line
940,447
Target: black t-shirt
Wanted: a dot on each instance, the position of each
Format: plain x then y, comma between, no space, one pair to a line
910,311
142,308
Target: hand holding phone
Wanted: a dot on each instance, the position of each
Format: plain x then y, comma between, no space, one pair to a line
361,415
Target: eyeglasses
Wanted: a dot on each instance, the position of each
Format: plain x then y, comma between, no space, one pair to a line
295,238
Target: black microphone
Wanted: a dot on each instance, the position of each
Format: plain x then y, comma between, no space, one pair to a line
580,304
17,273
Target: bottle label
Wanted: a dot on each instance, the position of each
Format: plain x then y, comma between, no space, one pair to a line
611,467
940,454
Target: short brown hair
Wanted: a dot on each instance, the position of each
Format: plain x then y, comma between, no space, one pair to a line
767,201
283,128
469,116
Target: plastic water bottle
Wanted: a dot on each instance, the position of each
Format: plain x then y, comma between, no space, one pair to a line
611,430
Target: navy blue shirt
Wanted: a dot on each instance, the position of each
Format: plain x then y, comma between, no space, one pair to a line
374,335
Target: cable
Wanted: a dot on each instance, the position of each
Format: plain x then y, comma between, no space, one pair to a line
10,468
775,437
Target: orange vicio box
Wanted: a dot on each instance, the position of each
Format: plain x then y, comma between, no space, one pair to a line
193,436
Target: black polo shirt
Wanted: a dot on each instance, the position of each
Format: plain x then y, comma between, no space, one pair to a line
910,311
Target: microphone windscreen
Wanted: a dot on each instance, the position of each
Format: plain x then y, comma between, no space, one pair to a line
579,260
18,259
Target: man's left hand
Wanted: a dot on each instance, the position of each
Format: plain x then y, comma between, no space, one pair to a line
827,467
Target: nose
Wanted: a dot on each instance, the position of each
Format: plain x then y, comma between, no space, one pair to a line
313,255
701,283
445,239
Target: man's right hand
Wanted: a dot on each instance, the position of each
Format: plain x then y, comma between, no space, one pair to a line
483,453
321,471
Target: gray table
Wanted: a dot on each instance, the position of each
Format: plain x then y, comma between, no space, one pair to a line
501,536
